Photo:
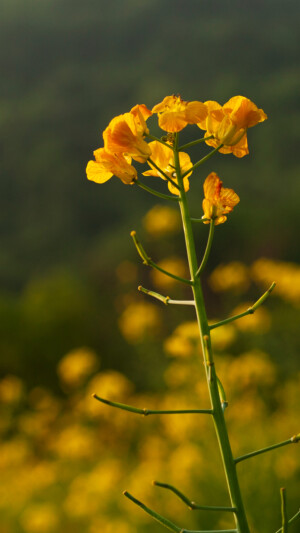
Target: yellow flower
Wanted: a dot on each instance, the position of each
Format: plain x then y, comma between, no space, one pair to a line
108,164
163,157
174,113
229,124
124,135
218,201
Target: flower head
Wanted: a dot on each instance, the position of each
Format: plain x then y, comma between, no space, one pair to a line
218,201
229,124
124,134
107,164
174,113
163,157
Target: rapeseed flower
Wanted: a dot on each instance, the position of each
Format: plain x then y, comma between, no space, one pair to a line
218,202
163,157
229,124
124,135
107,164
174,113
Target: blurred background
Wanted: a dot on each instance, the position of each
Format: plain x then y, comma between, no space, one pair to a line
71,319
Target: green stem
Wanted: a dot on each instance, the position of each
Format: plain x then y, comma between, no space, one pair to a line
218,415
208,247
193,143
162,172
284,517
156,193
146,412
201,161
192,505
292,440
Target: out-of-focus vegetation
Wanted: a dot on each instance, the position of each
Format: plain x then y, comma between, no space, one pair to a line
68,272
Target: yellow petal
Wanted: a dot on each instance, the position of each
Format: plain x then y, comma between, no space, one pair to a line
95,173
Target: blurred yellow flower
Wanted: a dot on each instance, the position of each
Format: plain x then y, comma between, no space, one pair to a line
40,518
107,164
229,124
286,274
74,442
124,135
162,220
110,384
223,337
218,201
232,276
174,113
163,157
174,265
140,320
76,366
11,389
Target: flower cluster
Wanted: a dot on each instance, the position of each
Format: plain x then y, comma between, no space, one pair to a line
225,129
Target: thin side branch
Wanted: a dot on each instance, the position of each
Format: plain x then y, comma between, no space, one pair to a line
249,311
156,193
193,143
148,261
146,412
205,158
208,248
167,523
290,521
191,504
165,299
292,440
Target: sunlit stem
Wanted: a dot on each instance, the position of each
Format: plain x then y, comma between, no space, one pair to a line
162,172
156,193
167,523
148,261
284,517
192,505
203,219
290,521
158,140
165,299
249,311
208,248
292,440
193,143
205,158
146,412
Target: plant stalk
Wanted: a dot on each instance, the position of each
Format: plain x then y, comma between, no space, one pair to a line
218,415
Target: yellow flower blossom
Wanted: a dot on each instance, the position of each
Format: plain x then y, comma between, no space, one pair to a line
287,274
174,113
11,389
124,135
163,157
107,164
218,201
229,124
40,518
